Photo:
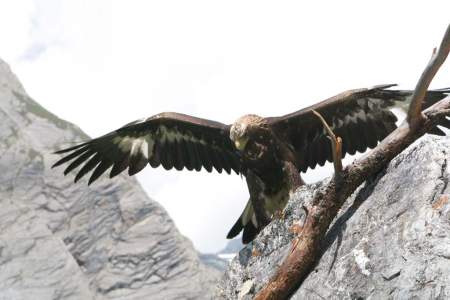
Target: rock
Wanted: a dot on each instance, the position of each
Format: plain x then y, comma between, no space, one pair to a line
246,288
66,240
391,239
33,262
222,258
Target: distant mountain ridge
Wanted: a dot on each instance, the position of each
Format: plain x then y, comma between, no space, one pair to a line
60,240
220,260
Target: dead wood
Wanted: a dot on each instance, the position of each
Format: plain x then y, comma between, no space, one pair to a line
336,146
330,198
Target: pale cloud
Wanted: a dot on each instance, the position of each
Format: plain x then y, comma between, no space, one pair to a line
101,64
46,29
15,28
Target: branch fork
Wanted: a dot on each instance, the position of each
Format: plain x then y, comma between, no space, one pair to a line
327,202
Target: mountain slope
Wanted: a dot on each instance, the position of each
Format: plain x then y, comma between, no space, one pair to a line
124,244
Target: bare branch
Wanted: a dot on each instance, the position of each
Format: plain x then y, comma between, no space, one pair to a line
437,59
330,198
336,145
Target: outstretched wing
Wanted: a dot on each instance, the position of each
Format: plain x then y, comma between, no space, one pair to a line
360,117
169,139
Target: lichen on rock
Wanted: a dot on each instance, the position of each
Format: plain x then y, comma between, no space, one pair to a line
391,240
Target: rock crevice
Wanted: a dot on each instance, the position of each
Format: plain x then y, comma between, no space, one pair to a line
60,240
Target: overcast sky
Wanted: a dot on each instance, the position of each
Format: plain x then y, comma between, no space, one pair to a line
101,64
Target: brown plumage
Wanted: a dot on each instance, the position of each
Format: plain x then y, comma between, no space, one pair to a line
269,152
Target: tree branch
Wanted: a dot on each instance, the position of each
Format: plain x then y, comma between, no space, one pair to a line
437,59
336,146
330,198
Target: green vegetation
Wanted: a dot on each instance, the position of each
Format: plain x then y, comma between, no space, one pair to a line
35,108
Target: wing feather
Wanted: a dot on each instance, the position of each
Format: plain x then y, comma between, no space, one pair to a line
182,156
206,160
137,163
318,153
225,163
91,163
167,155
325,147
155,156
169,139
71,156
360,117
371,132
217,163
80,159
193,157
445,122
100,169
71,148
119,166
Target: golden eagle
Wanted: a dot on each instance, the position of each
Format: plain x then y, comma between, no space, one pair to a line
269,152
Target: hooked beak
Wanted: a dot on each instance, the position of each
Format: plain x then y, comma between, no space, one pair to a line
240,144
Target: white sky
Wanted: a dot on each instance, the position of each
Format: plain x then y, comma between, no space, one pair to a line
101,64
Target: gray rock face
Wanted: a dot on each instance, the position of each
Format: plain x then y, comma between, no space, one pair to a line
390,241
33,262
60,240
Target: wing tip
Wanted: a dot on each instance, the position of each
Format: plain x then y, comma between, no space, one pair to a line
91,181
64,150
78,177
56,164
436,131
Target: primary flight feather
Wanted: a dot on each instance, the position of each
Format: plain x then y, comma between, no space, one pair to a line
269,152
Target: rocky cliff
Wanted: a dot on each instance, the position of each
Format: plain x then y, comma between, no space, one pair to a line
390,241
60,240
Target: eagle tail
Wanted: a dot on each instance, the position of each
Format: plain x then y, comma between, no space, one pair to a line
234,231
250,232
245,222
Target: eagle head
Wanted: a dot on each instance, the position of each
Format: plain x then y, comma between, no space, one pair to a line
241,130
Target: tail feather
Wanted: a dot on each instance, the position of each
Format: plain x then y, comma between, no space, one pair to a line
245,222
236,229
250,232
